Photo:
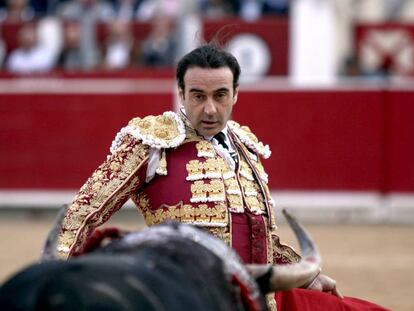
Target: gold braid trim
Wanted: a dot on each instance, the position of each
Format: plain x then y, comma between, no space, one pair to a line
104,193
222,233
283,253
249,139
163,131
197,214
271,302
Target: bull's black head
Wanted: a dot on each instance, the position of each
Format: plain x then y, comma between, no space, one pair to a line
166,267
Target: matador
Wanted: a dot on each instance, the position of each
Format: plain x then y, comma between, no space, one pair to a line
195,166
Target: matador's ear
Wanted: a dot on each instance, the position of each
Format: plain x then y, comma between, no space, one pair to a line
235,95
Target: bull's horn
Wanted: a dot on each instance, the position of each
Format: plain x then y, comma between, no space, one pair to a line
283,277
49,251
307,246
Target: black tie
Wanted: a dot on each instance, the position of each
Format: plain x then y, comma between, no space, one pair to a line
220,137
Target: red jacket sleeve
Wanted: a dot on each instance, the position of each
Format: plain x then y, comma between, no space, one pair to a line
109,187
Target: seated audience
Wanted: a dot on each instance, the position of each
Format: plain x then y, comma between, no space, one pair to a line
158,49
87,13
30,56
278,7
216,9
125,10
119,48
149,9
251,10
2,51
96,10
17,11
70,57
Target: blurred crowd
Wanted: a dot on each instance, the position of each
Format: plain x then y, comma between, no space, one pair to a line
98,34
84,35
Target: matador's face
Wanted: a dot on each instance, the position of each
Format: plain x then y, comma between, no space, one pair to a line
208,98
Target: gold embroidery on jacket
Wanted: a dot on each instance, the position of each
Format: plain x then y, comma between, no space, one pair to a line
205,149
282,253
252,182
214,167
232,187
220,213
248,187
161,126
271,302
254,205
262,174
200,214
216,191
207,192
235,203
246,171
111,203
199,191
222,233
249,139
94,202
195,170
210,169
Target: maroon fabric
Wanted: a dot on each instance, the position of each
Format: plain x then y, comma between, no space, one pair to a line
173,189
249,237
310,300
95,239
250,243
250,300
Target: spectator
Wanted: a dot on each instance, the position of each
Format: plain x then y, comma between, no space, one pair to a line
70,57
43,7
17,11
250,10
125,10
2,51
158,49
87,13
99,10
148,9
279,7
30,56
119,48
216,9
352,67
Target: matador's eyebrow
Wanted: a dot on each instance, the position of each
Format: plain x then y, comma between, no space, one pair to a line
222,89
194,90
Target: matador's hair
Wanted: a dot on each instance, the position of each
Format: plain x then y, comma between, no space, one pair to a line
209,55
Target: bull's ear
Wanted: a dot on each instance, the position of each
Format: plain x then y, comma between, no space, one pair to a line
49,251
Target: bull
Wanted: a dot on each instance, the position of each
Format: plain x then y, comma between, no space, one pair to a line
171,266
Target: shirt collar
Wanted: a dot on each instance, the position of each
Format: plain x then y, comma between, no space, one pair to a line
224,131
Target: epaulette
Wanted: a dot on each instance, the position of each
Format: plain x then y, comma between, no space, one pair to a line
249,139
162,131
